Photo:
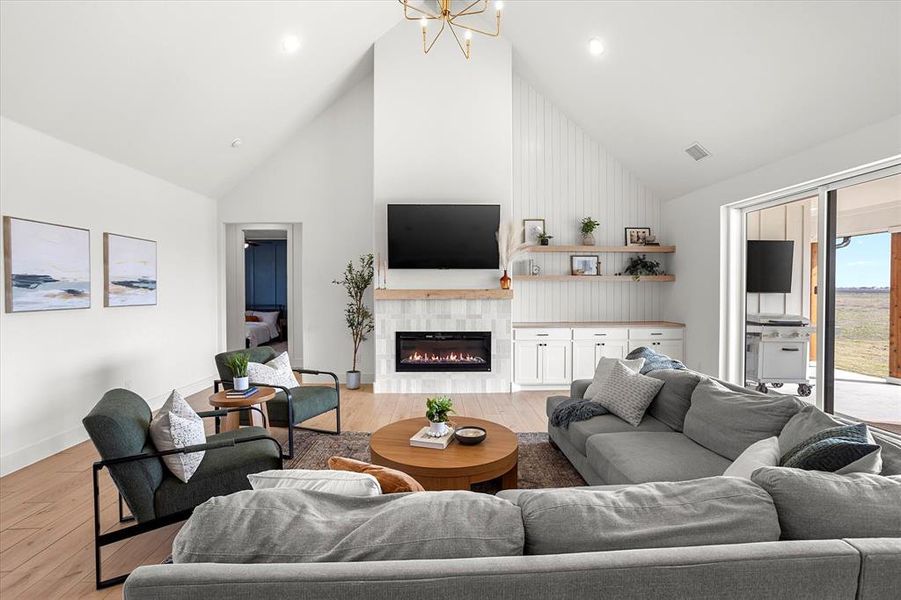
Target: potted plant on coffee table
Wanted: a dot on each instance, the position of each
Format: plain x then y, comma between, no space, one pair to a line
359,319
437,411
237,363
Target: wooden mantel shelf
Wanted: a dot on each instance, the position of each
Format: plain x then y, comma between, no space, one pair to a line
464,294
595,278
605,249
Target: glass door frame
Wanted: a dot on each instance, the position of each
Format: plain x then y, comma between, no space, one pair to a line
733,242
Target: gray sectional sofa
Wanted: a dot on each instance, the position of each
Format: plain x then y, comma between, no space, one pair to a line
607,450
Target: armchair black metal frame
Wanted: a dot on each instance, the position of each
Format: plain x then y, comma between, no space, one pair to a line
291,427
118,535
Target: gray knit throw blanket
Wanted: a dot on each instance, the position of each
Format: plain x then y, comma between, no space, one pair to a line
575,409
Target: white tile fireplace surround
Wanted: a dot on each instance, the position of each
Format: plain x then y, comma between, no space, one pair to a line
457,315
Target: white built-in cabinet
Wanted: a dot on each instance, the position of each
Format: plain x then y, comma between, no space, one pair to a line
557,355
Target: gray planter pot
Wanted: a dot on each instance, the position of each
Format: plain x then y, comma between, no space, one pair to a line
353,380
588,239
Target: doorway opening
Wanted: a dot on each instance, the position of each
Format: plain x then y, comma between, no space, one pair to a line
266,288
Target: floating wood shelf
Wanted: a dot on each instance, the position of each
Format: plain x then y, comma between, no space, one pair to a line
464,294
605,249
625,278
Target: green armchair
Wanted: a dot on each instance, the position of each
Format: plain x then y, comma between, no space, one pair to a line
290,405
119,427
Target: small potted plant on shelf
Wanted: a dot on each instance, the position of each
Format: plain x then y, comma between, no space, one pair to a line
587,227
357,315
437,410
237,363
641,265
543,238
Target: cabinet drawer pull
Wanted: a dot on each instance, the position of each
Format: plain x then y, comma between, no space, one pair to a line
600,335
542,334
656,333
791,349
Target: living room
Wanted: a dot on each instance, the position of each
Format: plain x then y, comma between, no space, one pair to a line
472,219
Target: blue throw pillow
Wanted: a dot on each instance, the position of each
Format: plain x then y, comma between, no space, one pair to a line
653,361
831,449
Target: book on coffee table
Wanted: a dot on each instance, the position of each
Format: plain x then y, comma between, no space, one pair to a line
423,440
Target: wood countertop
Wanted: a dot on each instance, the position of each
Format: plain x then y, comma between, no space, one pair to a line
599,324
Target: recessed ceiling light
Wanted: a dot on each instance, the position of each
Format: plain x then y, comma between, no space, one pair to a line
290,44
595,46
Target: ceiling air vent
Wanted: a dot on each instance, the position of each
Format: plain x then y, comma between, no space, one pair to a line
697,151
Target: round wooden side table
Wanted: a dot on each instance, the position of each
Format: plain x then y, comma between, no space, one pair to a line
233,420
456,467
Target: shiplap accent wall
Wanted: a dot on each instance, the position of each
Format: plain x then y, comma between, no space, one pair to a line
792,221
560,174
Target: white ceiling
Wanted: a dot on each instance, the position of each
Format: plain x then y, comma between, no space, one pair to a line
166,86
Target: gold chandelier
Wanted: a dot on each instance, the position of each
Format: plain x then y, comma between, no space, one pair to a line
448,20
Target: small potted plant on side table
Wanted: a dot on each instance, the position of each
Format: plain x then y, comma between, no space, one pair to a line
237,363
357,315
437,410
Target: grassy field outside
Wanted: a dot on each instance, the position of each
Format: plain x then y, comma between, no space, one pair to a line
862,327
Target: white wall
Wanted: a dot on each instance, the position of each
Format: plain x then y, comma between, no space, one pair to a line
692,222
322,179
54,366
561,174
443,134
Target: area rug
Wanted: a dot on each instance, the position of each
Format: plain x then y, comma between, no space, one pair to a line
540,465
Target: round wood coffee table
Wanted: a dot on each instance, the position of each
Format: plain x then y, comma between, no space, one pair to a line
456,467
233,420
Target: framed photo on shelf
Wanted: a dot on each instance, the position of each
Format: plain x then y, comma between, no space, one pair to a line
530,230
585,264
637,236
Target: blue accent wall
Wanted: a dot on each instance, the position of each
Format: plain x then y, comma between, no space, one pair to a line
266,272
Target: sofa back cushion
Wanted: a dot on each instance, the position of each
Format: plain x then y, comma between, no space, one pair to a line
284,526
713,510
674,398
814,505
727,422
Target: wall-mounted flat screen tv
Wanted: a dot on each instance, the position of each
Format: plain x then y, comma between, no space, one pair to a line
443,236
769,267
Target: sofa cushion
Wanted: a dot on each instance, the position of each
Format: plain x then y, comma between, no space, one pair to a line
514,495
727,421
284,526
640,457
345,483
627,394
814,505
307,402
553,402
674,398
579,431
891,452
764,453
716,510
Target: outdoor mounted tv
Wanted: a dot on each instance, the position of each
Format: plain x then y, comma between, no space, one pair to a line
769,269
443,236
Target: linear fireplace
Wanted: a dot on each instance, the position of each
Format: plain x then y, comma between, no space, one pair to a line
418,351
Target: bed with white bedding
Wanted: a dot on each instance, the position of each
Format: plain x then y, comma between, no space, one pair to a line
263,330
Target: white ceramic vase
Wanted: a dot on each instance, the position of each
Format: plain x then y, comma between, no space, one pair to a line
437,429
241,383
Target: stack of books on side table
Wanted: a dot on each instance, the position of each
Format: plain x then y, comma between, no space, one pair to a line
243,394
422,439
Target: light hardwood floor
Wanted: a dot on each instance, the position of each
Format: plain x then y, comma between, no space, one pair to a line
46,540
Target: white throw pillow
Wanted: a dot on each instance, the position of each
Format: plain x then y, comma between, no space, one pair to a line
344,483
275,372
177,425
602,372
628,394
764,453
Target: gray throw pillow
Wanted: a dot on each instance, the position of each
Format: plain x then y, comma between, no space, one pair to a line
807,422
713,510
602,373
627,394
814,505
727,421
285,526
674,398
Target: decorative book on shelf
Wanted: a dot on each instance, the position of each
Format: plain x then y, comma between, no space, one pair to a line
245,394
423,440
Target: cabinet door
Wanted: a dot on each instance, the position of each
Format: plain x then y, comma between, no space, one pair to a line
526,363
555,362
584,359
672,348
612,349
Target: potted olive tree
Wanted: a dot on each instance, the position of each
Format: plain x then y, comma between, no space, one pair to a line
237,363
359,319
437,411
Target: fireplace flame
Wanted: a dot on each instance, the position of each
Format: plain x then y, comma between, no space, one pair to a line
450,357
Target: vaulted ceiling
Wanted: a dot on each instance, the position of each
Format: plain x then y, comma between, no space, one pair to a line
166,86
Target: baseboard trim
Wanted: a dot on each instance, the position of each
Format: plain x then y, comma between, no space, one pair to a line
18,459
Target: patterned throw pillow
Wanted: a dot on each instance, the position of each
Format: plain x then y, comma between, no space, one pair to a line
602,372
628,394
176,425
275,372
843,449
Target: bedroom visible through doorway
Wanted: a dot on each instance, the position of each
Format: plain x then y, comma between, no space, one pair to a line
266,288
